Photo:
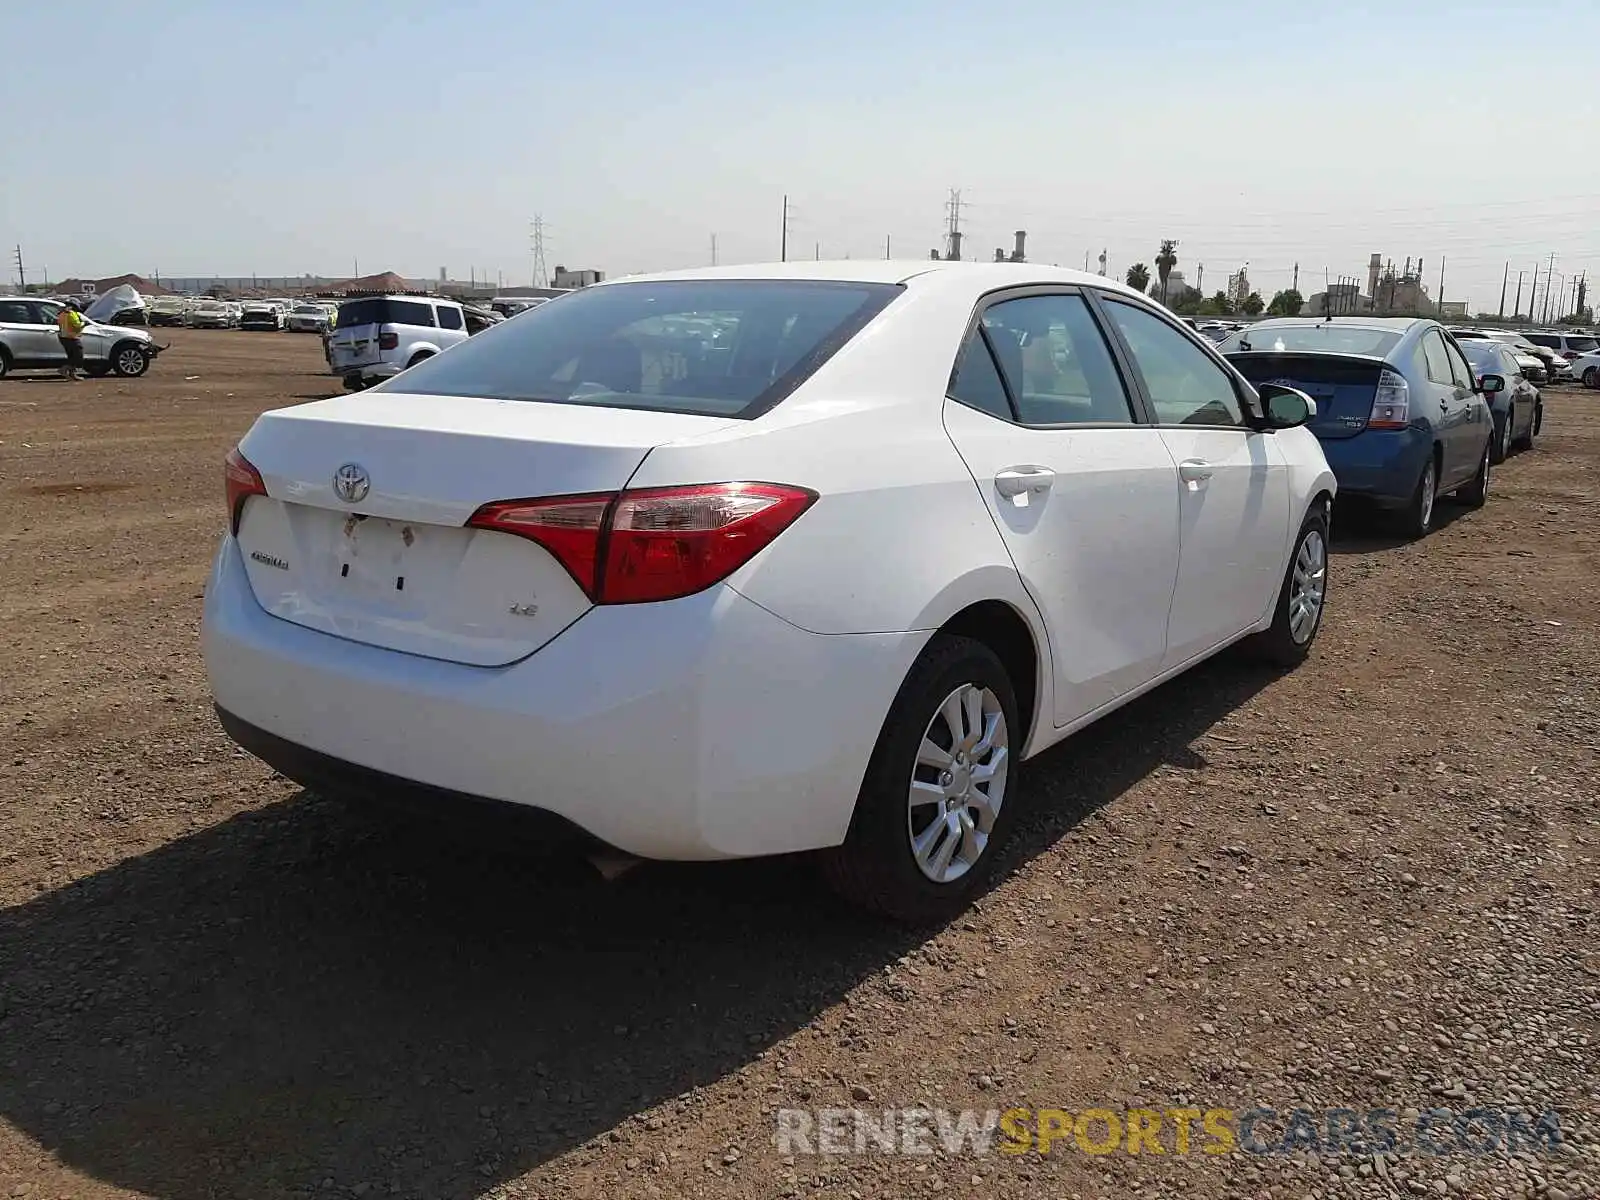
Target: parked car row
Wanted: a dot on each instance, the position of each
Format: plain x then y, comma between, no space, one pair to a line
1404,414
1557,352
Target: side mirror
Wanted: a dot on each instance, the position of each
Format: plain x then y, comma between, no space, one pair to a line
1490,384
1285,407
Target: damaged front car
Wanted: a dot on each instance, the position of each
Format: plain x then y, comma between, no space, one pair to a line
28,336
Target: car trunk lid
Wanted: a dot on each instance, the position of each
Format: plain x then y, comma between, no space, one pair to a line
394,565
1343,385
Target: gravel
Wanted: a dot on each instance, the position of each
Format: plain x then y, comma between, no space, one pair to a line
1372,883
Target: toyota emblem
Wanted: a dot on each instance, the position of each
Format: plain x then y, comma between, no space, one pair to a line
351,483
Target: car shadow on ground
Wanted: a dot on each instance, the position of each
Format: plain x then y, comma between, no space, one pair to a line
303,994
1359,530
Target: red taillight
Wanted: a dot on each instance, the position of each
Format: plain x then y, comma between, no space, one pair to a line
388,341
567,526
243,481
656,543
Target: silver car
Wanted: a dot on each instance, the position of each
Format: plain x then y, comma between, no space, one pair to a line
29,341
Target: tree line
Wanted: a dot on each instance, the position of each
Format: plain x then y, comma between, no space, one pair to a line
1191,302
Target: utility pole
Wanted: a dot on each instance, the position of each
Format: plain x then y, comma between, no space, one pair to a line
817,256
22,274
541,275
783,245
1504,280
1516,306
1549,282
1441,285
886,242
1293,287
1200,281
713,249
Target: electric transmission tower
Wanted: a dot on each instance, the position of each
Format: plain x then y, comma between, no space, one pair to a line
541,277
952,234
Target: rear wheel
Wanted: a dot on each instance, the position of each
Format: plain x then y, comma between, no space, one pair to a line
1476,493
129,360
5,363
1591,377
419,356
936,801
1416,519
1503,431
1301,598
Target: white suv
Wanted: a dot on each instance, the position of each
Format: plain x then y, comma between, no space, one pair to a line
377,337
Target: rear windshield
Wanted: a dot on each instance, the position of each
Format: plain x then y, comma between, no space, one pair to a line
382,311
1582,345
1328,337
1483,354
710,347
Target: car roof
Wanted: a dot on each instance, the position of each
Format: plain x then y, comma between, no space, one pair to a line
1392,324
982,276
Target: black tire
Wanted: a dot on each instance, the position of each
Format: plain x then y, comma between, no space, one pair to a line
1525,440
1278,644
875,867
1591,377
1538,423
419,356
97,371
1476,493
129,360
1415,520
1502,444
5,363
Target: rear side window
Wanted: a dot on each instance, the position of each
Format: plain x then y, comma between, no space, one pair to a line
1548,340
14,312
707,347
1056,361
449,318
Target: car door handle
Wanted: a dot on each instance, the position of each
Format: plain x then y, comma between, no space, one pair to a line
1018,482
1195,470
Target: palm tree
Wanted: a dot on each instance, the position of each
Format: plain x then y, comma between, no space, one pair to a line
1138,277
1165,261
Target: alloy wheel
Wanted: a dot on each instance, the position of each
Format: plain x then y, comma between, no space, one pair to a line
1307,587
958,783
130,362
1430,489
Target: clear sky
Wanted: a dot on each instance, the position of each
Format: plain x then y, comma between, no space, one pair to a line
201,137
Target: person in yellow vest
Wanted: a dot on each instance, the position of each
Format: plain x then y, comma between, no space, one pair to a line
69,328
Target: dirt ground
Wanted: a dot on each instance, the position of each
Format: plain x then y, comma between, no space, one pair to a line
1372,883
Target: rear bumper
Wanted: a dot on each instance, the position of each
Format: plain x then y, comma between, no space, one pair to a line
368,372
1379,465
699,728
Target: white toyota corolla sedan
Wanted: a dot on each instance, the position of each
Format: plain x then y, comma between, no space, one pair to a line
753,560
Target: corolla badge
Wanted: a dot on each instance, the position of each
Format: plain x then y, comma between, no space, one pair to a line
351,483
